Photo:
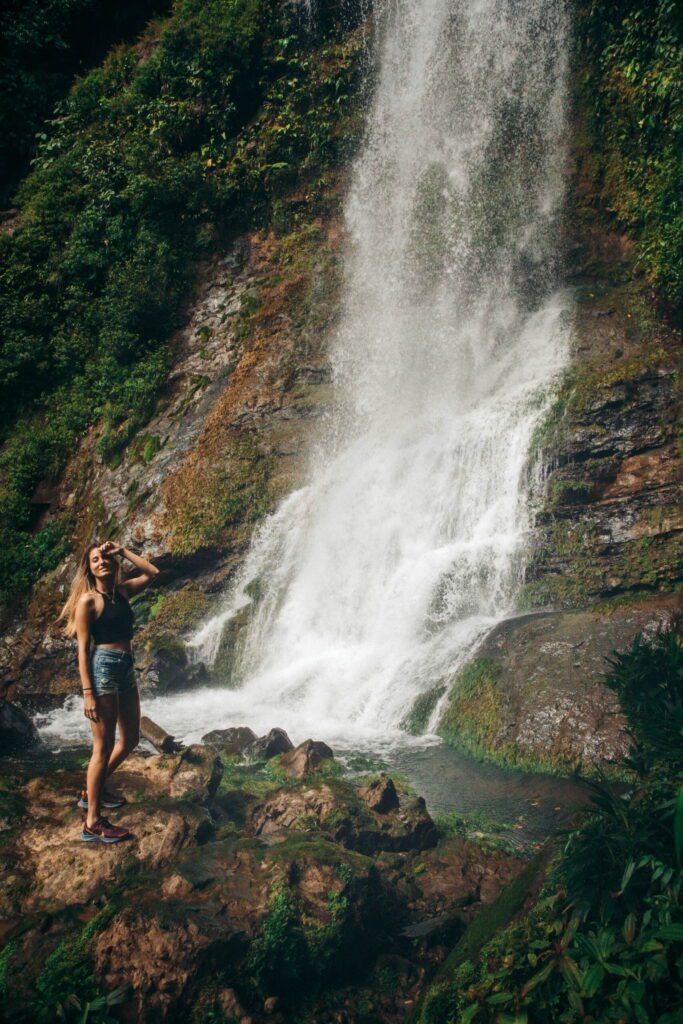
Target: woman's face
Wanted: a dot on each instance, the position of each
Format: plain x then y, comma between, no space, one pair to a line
101,565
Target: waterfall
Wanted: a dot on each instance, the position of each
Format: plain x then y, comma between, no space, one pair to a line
407,544
378,578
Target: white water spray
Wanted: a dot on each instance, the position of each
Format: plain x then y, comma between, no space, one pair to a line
407,545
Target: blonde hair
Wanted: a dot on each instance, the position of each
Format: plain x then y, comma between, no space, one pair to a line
83,583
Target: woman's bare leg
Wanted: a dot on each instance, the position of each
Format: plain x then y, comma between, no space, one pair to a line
129,728
103,735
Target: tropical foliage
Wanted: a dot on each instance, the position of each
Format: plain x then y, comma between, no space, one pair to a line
43,44
631,57
604,942
172,145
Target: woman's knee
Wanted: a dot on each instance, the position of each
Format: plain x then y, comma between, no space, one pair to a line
102,751
131,740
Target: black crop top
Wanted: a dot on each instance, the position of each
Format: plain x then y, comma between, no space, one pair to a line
115,623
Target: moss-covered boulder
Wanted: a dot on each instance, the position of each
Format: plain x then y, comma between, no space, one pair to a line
533,695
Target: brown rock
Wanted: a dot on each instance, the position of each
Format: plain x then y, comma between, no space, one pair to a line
194,774
380,795
230,741
160,955
275,742
63,870
17,731
344,816
305,758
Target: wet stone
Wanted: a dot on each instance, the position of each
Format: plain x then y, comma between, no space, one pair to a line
234,740
275,742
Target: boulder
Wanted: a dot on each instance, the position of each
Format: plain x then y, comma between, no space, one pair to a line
234,740
194,774
275,742
61,871
305,759
534,692
167,669
17,731
341,812
380,795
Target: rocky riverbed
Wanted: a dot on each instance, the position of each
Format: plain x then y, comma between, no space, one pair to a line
256,890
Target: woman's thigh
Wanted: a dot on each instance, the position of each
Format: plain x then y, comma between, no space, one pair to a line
104,729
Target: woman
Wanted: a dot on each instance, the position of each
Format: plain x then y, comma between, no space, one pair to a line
98,610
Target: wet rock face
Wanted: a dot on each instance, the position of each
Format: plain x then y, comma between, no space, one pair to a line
17,731
611,521
533,696
231,430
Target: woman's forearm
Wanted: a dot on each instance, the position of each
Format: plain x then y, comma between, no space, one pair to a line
140,563
84,670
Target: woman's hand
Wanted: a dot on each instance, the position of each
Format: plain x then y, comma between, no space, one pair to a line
109,548
90,706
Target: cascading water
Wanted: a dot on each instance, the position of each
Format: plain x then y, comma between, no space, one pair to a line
407,545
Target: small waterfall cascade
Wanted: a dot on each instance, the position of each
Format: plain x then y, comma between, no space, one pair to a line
379,577
407,545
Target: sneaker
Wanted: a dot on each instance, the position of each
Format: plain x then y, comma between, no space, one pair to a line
109,800
102,831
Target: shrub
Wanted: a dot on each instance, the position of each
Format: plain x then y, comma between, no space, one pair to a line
604,942
166,149
632,52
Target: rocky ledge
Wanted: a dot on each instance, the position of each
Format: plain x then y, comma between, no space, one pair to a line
244,894
533,696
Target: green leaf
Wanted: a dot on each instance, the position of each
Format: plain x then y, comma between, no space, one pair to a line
499,998
629,928
592,980
468,1015
670,933
626,877
538,978
570,972
678,827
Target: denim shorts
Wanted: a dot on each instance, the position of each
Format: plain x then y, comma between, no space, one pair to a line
112,671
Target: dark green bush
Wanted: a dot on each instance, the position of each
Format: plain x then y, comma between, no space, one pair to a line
43,44
164,151
632,56
604,943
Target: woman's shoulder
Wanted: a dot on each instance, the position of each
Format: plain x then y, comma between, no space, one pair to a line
87,600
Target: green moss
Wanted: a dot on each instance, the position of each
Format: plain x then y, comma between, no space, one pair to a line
68,972
473,713
571,491
223,670
6,954
456,824
171,614
236,493
417,719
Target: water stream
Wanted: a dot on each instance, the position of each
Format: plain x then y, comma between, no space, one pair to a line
378,578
